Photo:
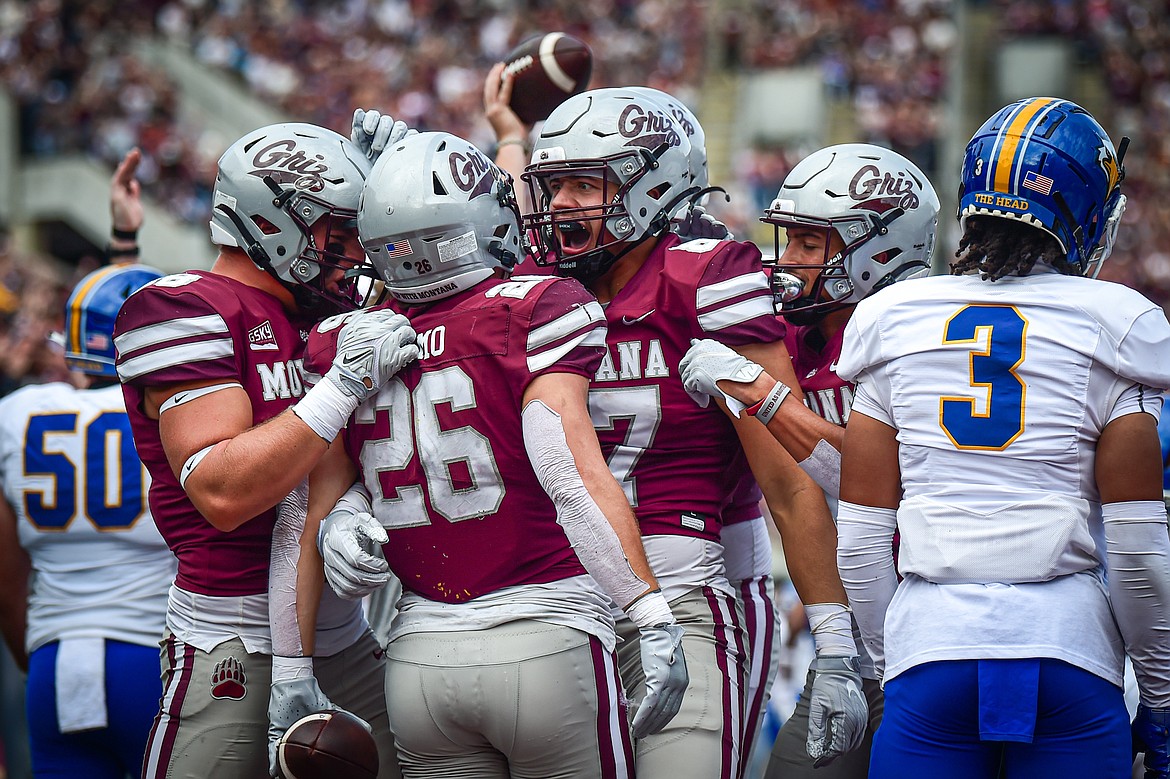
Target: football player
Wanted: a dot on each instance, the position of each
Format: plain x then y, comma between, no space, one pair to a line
483,488
857,218
74,515
1005,419
211,368
608,171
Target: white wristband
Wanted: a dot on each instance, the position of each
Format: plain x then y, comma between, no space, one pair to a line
326,409
650,610
771,403
287,669
832,629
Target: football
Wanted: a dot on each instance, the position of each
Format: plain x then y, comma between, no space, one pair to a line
547,69
328,745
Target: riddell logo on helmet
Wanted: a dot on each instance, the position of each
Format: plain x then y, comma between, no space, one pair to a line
471,173
649,129
869,182
288,165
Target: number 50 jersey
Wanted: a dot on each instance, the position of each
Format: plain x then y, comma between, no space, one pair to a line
441,448
70,472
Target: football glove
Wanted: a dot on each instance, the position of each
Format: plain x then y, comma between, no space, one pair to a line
706,363
371,348
373,131
351,548
1151,737
695,222
665,669
838,712
289,701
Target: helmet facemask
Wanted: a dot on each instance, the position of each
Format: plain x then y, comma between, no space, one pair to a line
312,276
287,195
631,143
566,228
877,213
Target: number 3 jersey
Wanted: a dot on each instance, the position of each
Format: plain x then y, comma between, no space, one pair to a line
441,448
999,392
69,471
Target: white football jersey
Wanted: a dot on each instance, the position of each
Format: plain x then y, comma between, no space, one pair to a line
999,392
69,469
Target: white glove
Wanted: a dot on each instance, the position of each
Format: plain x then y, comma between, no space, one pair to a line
373,131
694,222
665,669
371,348
351,547
289,701
837,710
706,363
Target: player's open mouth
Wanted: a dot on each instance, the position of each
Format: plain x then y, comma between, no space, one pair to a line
575,237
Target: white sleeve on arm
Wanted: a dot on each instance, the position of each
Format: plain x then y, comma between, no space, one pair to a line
282,574
865,558
1138,550
589,531
1138,399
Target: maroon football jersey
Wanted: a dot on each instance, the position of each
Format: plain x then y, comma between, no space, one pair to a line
815,365
205,327
441,446
677,462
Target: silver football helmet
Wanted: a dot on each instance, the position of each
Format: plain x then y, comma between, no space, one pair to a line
273,185
880,204
697,159
640,152
437,217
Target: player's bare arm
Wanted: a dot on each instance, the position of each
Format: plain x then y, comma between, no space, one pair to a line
790,421
237,478
795,501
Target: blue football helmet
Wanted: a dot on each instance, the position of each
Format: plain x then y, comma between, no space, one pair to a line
90,313
1046,162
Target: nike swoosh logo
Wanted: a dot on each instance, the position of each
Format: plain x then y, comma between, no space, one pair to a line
179,398
627,321
833,366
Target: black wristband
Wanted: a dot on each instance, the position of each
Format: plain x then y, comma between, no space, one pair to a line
112,253
124,235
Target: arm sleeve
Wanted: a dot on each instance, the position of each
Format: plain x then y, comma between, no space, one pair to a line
865,559
586,526
1138,558
282,576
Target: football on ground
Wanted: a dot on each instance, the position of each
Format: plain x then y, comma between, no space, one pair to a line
328,745
547,69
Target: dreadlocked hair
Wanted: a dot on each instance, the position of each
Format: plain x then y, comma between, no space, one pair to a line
998,247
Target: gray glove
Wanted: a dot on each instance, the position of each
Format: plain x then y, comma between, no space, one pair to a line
371,348
288,702
1151,737
373,131
694,222
351,547
838,712
665,669
706,363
